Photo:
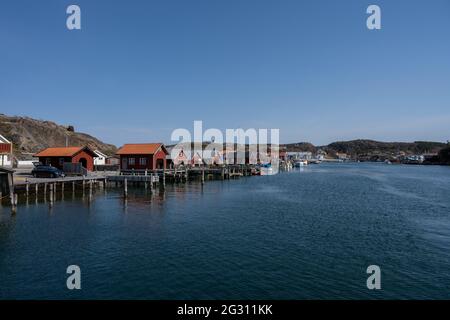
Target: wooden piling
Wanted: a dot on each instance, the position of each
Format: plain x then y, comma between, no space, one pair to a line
11,192
51,194
164,178
90,189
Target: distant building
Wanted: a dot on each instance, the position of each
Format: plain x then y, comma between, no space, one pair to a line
197,160
56,157
100,159
342,156
213,157
25,160
303,155
181,159
142,156
113,160
321,154
5,152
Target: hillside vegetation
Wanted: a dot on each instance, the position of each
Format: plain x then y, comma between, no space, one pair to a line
362,147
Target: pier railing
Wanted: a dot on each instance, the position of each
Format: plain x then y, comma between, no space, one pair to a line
74,169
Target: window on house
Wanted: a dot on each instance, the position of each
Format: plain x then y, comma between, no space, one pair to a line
131,161
48,161
61,161
143,161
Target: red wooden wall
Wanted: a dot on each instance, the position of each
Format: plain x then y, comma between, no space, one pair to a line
5,148
156,161
55,161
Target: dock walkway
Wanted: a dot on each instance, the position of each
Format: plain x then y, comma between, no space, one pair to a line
27,186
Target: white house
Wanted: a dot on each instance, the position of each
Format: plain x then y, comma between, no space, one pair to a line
100,159
5,152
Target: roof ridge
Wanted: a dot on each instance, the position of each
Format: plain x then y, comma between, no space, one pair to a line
140,148
63,147
143,143
65,151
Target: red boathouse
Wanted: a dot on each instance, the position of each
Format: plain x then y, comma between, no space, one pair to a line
56,157
141,156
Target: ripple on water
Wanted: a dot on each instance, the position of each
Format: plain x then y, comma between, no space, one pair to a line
299,235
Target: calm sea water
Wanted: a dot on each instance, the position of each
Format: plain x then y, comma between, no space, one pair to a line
298,235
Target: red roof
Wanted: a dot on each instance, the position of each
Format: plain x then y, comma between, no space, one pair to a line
141,148
63,152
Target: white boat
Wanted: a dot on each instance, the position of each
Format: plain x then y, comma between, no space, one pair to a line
266,170
300,163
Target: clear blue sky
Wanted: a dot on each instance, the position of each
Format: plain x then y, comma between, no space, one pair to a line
139,69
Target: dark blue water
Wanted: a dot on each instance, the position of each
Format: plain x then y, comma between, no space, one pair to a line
297,235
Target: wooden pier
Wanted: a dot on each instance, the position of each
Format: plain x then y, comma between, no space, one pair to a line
49,188
53,188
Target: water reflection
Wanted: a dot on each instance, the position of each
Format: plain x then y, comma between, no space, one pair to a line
308,233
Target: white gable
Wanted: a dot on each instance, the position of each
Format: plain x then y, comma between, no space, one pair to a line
99,154
3,139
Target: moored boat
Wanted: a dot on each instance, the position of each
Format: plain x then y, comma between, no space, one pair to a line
266,170
300,163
